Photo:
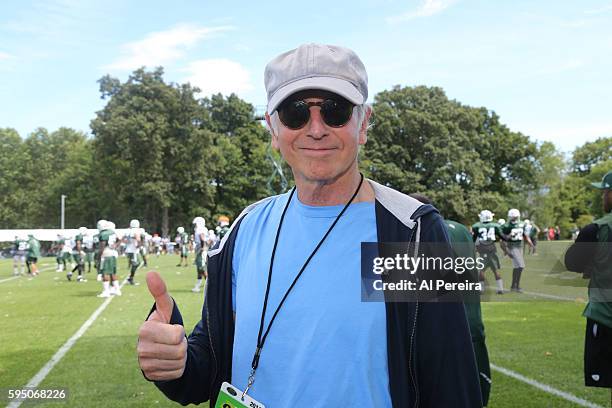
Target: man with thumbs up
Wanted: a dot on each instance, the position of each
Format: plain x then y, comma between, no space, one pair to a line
282,318
162,347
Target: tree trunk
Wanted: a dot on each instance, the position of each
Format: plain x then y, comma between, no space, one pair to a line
165,220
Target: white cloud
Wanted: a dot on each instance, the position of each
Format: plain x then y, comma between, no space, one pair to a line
600,10
6,56
426,9
218,75
556,69
567,135
162,47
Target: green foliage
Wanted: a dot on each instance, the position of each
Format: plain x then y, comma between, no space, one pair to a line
463,158
162,155
590,154
170,157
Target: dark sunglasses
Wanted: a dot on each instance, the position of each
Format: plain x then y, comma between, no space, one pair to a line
295,114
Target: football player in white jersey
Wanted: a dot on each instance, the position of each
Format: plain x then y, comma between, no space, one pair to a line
202,241
144,248
133,242
182,241
157,244
19,255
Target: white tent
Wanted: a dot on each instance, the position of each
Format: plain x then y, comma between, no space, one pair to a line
49,234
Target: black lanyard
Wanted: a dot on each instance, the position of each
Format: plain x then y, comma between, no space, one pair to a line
261,339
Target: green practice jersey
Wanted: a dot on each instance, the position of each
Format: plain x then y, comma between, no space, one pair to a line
108,236
599,307
486,233
515,230
33,248
184,238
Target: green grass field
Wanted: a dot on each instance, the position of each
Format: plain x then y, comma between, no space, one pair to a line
538,337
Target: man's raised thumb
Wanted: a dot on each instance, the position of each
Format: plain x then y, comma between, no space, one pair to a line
163,301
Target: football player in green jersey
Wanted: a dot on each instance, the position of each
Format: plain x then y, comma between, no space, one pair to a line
591,255
20,247
32,255
182,239
532,230
88,247
514,229
96,247
78,255
108,260
58,247
485,233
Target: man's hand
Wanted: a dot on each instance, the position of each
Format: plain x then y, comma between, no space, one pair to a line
162,347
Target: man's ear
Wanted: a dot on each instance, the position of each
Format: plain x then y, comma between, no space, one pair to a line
274,140
363,129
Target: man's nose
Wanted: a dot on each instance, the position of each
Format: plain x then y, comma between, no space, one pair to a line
317,128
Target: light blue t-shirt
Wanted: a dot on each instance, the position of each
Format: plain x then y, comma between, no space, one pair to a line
326,348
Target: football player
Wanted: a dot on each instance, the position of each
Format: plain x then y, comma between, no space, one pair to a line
144,248
514,229
20,247
485,234
182,239
108,260
133,242
88,247
202,242
58,248
78,255
32,255
96,245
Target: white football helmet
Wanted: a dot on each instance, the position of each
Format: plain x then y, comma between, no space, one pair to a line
514,214
134,224
486,216
180,230
199,221
527,222
110,225
501,221
100,225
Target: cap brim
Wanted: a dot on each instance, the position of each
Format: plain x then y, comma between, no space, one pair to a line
598,185
331,84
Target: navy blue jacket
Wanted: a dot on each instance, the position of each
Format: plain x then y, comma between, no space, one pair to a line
431,361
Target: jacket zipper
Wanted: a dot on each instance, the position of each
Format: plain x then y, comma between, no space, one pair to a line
414,324
212,348
410,368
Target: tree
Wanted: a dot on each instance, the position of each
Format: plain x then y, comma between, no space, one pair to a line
13,195
461,157
153,149
591,153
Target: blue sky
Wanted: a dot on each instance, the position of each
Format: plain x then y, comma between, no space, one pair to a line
544,66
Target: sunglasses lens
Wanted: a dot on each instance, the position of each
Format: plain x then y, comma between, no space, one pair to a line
294,114
336,112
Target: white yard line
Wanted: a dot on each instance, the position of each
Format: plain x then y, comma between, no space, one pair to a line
540,294
546,388
546,295
40,376
23,276
9,279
